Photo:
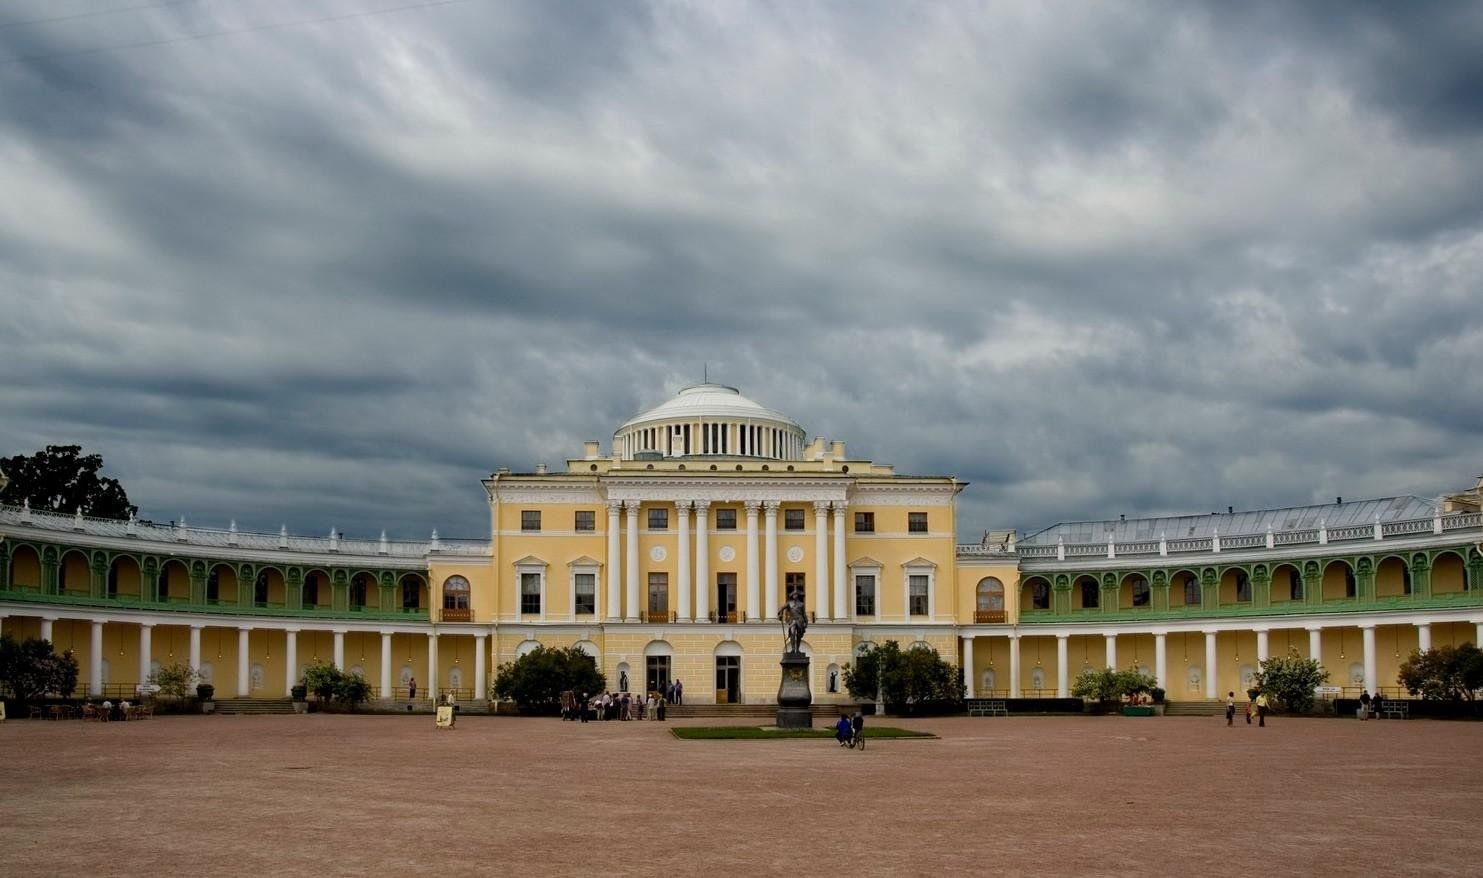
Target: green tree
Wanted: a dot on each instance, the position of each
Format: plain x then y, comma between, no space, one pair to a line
1289,681
1445,673
1105,684
332,684
905,678
538,678
176,680
63,479
32,667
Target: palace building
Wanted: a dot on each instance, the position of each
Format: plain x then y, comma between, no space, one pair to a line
668,557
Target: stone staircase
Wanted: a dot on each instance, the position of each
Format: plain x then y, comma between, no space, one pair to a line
765,714
255,706
1197,708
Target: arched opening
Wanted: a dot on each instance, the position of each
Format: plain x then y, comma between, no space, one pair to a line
1086,593
25,569
316,591
990,601
173,584
1287,584
268,589
1235,586
456,607
658,660
1392,578
1339,582
1449,574
413,589
124,579
73,576
363,591
526,647
728,657
1035,594
623,672
1133,592
1184,589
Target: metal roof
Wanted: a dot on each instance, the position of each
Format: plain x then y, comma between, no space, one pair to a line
710,401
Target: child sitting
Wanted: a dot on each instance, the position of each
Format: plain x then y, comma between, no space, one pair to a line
843,730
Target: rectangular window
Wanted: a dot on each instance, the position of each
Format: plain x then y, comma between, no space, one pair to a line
864,595
864,522
916,522
792,519
530,519
586,594
586,520
795,582
658,595
725,519
658,518
916,592
530,593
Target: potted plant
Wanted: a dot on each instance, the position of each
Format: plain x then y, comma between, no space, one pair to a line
300,694
205,693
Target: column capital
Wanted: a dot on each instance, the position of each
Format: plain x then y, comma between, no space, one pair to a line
1424,624
839,508
702,505
615,506
1063,636
340,630
821,507
385,633
197,626
1370,627
632,506
1313,627
1161,634
752,507
1014,635
481,637
771,507
683,505
245,628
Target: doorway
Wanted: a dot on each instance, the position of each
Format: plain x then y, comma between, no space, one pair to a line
726,599
728,679
658,673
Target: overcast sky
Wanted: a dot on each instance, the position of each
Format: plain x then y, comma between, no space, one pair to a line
1093,258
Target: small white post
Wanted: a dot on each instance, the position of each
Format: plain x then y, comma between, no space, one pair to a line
436,546
1163,545
1111,550
334,541
1215,540
283,537
383,548
132,528
1323,532
1377,527
1436,520
1060,549
77,519
1271,541
232,533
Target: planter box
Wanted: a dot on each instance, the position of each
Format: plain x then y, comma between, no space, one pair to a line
1139,710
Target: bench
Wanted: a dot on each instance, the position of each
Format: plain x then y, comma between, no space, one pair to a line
986,707
1395,710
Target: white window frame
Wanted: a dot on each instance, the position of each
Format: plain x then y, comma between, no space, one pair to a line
578,566
866,567
536,566
919,567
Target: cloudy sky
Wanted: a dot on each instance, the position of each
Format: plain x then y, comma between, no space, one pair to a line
330,262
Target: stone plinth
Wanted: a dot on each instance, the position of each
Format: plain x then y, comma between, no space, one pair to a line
794,696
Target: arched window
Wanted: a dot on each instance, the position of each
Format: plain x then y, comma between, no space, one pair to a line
260,589
1351,588
1140,592
990,594
1243,586
1091,593
1191,590
455,593
411,592
311,589
358,587
1040,596
213,586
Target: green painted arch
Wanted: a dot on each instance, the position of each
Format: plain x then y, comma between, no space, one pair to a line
1239,568
1344,561
1380,560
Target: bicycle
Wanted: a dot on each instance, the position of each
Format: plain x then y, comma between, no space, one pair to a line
858,740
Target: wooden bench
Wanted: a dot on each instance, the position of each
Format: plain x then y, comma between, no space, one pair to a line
986,707
1395,709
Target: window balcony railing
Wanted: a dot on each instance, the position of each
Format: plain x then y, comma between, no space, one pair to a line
657,616
457,614
988,617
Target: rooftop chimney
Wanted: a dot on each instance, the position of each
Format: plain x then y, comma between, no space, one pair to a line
589,450
1230,510
540,469
1338,501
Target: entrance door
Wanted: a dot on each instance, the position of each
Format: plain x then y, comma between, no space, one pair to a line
728,679
658,676
726,597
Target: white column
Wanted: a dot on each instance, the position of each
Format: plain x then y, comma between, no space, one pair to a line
340,649
95,660
1368,632
821,559
195,647
1261,646
1063,675
145,648
432,667
481,685
244,680
614,609
702,560
291,660
754,583
631,561
1423,636
1315,644
682,512
1210,664
968,673
46,627
770,559
1014,666
1161,659
841,583
1111,650
1477,633
386,690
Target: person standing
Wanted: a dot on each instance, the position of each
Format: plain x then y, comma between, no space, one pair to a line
1261,709
1375,704
679,692
1230,708
661,710
411,688
1364,704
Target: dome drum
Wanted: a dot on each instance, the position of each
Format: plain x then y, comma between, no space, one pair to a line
710,420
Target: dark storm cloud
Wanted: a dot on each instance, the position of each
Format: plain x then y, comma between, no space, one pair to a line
1094,259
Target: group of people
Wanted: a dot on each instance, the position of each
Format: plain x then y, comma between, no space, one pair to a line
849,727
620,705
1369,706
1255,707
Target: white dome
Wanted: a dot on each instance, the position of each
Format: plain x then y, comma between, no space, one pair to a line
710,401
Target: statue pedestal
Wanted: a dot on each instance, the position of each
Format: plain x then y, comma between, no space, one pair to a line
794,696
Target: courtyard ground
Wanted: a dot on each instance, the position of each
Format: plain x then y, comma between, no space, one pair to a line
330,795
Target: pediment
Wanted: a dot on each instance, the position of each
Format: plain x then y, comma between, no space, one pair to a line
919,561
531,561
584,561
866,561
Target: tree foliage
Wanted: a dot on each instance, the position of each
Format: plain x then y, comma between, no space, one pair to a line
903,677
176,680
1446,673
1106,684
332,684
540,676
62,479
32,667
1289,680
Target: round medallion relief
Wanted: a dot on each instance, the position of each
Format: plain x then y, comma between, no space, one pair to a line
795,554
658,554
727,554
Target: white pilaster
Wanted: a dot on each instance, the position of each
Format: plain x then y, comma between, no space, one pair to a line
841,582
432,667
244,661
386,690
1368,632
682,513
1014,666
631,561
1161,659
1063,675
821,559
291,660
968,672
1477,633
95,660
1210,665
145,650
481,650
339,649
614,609
1261,646
1111,640
754,583
47,623
703,583
1315,644
770,559
1423,636
195,656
